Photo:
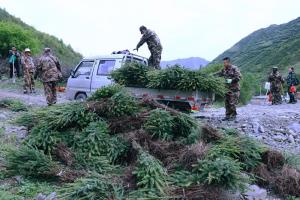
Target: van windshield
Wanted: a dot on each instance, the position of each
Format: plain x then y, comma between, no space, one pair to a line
84,69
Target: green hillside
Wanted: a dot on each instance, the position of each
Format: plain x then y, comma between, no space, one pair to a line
14,32
277,45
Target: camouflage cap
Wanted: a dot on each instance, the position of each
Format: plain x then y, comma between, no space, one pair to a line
143,28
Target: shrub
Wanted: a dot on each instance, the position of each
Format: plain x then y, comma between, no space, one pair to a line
43,138
15,35
59,117
105,92
13,105
223,172
122,105
92,188
175,77
99,164
183,125
150,174
244,149
249,86
69,115
131,74
160,124
182,178
31,118
167,78
96,141
117,149
8,196
292,160
30,162
93,140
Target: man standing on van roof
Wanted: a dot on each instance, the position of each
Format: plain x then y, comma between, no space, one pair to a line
154,46
49,68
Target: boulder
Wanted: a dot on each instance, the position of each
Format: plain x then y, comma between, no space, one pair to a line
253,192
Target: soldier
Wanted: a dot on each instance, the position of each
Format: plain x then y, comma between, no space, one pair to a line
291,80
276,81
232,77
29,69
154,46
50,70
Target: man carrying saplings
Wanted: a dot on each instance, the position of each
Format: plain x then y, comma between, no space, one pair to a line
232,77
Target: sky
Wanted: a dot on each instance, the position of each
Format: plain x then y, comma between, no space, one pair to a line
186,28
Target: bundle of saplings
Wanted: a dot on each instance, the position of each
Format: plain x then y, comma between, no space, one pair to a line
174,77
116,147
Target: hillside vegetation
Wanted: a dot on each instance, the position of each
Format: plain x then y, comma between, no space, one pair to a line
14,32
276,45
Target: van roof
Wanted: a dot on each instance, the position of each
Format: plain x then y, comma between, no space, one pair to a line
114,56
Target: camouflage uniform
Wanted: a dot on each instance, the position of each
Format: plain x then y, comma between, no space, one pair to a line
29,69
276,81
233,94
49,68
291,80
154,46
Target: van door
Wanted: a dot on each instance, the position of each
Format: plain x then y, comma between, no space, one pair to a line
101,74
80,82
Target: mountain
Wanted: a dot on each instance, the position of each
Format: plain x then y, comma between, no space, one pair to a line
276,45
191,63
14,32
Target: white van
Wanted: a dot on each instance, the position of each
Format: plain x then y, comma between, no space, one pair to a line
93,73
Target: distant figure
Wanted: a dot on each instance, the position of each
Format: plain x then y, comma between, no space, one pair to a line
154,46
276,81
50,70
13,60
28,71
232,77
292,81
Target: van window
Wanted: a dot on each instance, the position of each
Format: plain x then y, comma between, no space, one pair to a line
130,59
105,67
84,69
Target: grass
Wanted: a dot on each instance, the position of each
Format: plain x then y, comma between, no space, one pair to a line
292,159
13,104
7,84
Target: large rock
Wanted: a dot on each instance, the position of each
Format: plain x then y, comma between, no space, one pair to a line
254,192
291,139
41,196
295,127
279,138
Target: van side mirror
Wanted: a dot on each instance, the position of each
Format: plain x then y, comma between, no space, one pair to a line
72,74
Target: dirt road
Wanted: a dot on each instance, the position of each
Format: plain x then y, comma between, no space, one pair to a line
37,99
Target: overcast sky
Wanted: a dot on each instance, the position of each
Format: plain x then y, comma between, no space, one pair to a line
187,28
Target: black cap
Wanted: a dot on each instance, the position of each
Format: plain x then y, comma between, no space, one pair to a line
143,28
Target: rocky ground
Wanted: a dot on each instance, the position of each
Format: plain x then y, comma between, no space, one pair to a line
276,126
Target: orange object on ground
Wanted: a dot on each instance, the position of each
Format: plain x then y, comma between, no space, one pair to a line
293,89
60,89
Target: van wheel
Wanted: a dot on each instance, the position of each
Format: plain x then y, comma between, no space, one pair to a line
80,97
